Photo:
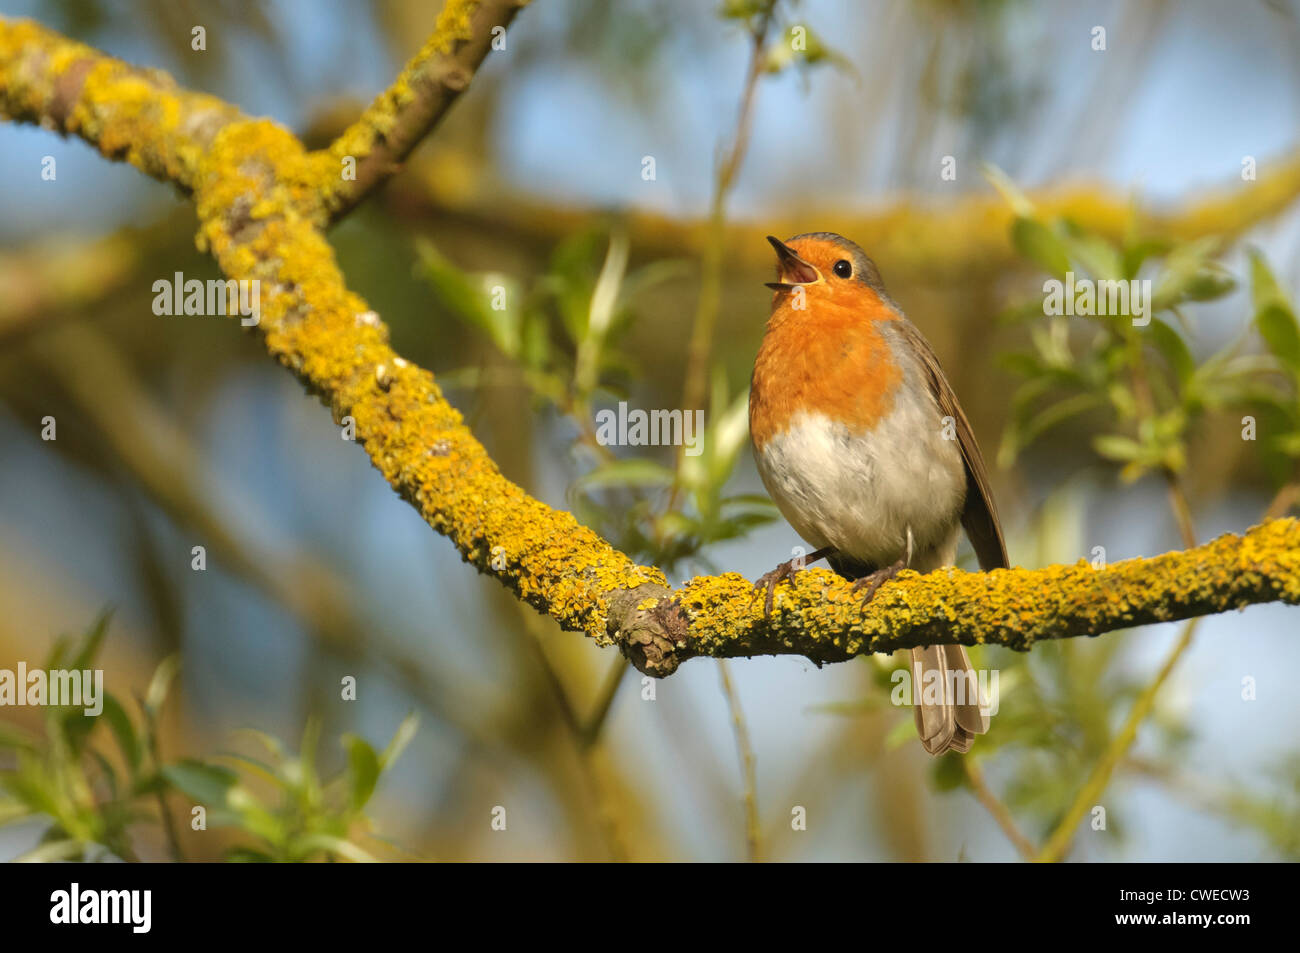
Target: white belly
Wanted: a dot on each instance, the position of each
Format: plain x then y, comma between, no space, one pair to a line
862,493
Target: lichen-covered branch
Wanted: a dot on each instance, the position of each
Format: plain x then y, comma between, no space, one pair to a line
262,215
818,616
128,113
408,110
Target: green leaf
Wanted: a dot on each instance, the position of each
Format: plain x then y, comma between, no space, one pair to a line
93,640
1116,447
248,855
1210,284
1274,315
33,786
271,743
1009,191
401,738
120,724
727,437
600,317
751,509
1191,275
307,756
1278,328
1040,244
636,471
1097,256
654,273
51,852
571,277
1264,289
1019,436
471,298
334,845
163,675
535,342
254,817
11,811
363,771
259,768
1138,252
1174,349
208,784
109,774
813,52
1122,399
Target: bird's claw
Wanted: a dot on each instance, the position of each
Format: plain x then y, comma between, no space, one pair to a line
770,580
873,581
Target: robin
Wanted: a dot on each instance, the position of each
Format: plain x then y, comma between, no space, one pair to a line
861,443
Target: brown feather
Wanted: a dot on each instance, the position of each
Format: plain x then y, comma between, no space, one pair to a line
980,516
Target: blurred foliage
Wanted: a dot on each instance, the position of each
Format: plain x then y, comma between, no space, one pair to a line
313,818
92,798
1276,817
561,335
63,778
1139,382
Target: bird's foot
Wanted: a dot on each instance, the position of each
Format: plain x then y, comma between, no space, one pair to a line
770,580
787,570
868,584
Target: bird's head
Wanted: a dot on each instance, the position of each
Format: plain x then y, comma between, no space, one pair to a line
827,267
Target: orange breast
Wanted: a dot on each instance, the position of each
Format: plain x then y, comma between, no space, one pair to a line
829,358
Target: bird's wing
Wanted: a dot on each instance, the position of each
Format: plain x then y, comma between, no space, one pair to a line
980,517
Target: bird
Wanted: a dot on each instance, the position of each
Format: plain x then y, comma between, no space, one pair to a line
862,445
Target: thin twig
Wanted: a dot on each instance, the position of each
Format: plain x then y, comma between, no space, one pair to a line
706,309
605,701
745,751
1182,511
1287,497
579,735
169,823
1000,812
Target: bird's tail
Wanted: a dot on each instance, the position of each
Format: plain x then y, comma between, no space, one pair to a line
945,698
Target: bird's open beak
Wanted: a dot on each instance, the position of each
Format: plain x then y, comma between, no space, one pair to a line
792,269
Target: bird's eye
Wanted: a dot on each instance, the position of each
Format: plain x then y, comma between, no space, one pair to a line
843,268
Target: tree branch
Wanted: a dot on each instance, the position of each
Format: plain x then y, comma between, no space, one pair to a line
261,215
130,114
407,111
